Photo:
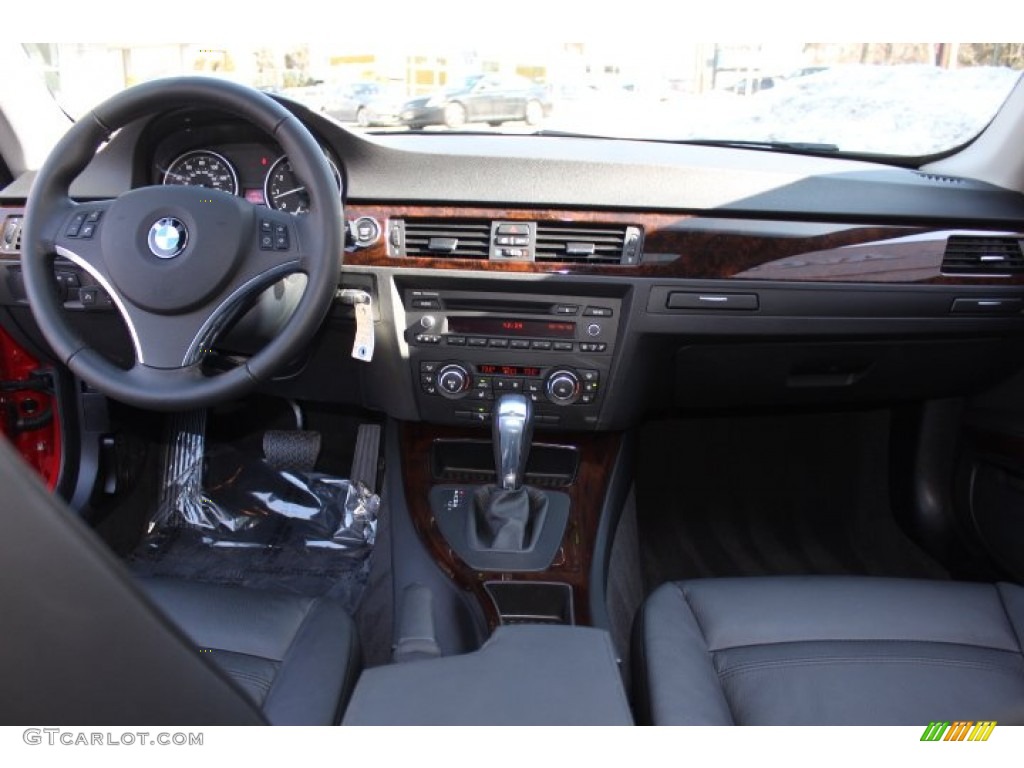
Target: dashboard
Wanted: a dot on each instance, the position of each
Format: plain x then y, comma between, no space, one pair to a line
607,279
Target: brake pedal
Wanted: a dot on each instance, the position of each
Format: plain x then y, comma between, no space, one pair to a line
291,450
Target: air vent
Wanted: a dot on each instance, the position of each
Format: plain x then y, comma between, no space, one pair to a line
582,243
445,238
10,236
939,178
988,256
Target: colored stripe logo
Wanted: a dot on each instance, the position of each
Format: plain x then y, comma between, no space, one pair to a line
961,730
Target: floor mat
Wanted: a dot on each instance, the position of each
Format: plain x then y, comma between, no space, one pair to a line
286,564
793,494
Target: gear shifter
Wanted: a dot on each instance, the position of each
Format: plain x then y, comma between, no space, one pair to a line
513,428
507,516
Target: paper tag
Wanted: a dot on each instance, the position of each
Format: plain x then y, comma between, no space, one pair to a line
362,345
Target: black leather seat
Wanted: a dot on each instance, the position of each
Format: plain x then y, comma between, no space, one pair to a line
85,643
830,651
295,657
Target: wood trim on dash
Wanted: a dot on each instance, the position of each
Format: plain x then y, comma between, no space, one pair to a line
695,247
587,492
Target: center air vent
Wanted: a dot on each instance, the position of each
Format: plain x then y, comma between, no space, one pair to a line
983,256
443,238
582,243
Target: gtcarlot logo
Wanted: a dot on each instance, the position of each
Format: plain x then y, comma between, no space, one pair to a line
60,737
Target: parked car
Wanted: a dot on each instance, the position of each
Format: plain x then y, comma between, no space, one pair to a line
366,104
480,99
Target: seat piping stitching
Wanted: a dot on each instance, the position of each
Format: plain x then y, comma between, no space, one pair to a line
707,648
1006,613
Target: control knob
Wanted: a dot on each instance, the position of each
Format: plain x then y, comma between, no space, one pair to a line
563,387
452,380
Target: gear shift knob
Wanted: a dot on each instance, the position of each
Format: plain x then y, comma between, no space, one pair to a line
512,432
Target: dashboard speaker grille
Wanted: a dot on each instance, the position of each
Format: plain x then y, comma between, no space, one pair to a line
989,256
441,238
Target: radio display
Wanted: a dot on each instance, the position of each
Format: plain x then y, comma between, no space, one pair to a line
509,370
504,326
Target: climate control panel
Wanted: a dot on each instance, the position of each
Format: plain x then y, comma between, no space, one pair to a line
560,392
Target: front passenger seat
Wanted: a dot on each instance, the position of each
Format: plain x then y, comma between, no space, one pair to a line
85,644
824,650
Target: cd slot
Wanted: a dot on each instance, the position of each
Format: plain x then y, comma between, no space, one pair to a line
467,304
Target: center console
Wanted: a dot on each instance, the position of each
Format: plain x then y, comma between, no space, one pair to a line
524,675
468,348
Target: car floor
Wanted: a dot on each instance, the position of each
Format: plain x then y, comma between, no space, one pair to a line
275,554
769,495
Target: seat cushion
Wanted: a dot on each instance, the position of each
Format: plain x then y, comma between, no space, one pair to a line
296,657
830,651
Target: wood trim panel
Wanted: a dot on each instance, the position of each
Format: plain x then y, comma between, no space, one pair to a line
678,246
586,494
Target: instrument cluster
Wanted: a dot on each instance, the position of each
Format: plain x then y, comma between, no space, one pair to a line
258,172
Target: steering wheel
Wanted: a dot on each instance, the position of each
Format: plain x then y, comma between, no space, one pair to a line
179,262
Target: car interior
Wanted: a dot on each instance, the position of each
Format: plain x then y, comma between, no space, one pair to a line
458,428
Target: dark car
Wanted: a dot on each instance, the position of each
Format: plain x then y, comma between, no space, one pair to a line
480,99
367,104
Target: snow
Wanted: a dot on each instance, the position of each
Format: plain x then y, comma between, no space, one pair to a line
902,110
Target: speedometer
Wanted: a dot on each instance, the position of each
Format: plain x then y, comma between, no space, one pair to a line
284,191
203,168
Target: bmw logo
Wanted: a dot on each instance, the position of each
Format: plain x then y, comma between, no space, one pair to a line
167,238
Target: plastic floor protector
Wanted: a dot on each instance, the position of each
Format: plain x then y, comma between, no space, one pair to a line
230,518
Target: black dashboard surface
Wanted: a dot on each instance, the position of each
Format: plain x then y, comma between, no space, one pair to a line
576,172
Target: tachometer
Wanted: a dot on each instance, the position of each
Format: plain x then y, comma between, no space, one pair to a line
203,168
284,191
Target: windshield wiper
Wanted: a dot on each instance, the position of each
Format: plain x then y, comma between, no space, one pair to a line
778,146
774,146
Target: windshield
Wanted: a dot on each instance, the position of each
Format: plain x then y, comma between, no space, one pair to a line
906,99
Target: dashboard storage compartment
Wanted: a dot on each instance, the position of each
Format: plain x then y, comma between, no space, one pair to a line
780,373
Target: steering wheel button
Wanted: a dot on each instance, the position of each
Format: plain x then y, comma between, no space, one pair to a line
281,242
88,229
93,216
76,225
266,226
267,242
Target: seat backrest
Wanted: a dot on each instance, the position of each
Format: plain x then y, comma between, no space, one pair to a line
80,644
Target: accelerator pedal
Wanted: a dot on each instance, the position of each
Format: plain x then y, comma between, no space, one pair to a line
367,452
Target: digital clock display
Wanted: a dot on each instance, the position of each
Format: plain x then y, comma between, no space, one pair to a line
509,370
505,326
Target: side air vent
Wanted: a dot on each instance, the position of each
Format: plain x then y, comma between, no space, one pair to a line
587,244
988,256
10,236
441,238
